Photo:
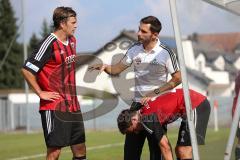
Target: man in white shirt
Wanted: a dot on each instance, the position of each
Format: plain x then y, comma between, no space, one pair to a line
152,62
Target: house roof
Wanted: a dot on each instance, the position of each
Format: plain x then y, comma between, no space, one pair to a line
209,55
224,42
229,67
231,58
204,47
228,58
199,76
215,45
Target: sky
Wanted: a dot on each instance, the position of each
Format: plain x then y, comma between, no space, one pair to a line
100,21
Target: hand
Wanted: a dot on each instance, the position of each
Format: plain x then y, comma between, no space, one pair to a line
49,96
100,67
144,101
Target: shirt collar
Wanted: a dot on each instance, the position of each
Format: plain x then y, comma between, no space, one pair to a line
155,49
65,43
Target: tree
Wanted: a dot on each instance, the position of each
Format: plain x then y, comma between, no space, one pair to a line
10,76
46,29
33,42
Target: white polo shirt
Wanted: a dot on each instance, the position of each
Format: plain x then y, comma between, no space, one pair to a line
152,68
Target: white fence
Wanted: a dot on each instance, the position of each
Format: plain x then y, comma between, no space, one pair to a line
4,115
14,116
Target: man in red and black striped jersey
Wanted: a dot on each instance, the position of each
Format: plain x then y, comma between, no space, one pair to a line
154,117
50,71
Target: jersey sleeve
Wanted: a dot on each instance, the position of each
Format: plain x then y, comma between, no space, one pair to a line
171,62
40,56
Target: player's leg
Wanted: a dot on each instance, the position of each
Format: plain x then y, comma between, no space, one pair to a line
184,152
51,135
53,153
201,117
133,145
77,140
183,149
155,152
79,151
202,113
155,147
166,148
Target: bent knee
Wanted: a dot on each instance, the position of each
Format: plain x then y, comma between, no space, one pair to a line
79,149
53,153
183,152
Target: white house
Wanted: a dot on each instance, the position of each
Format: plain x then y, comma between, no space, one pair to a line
211,67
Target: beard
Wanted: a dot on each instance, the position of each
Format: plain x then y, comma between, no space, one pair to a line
144,40
140,39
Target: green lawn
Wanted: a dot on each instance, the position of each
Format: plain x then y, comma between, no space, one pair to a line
16,145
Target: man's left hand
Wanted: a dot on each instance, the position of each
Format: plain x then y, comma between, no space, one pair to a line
147,98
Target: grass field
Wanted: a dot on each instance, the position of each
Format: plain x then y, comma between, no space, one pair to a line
101,145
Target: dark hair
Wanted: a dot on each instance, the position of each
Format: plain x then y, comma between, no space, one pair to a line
61,14
124,120
156,25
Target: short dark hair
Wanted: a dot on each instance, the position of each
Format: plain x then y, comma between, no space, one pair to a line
156,25
61,14
124,120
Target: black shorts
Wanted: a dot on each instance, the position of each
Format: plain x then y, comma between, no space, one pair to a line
62,128
201,117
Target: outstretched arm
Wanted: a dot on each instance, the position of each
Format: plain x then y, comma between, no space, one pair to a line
109,69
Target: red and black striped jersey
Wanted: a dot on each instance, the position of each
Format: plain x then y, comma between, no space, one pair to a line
53,64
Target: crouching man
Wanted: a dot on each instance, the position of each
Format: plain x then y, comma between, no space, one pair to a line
155,115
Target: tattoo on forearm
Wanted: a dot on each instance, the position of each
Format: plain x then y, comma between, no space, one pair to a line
168,86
